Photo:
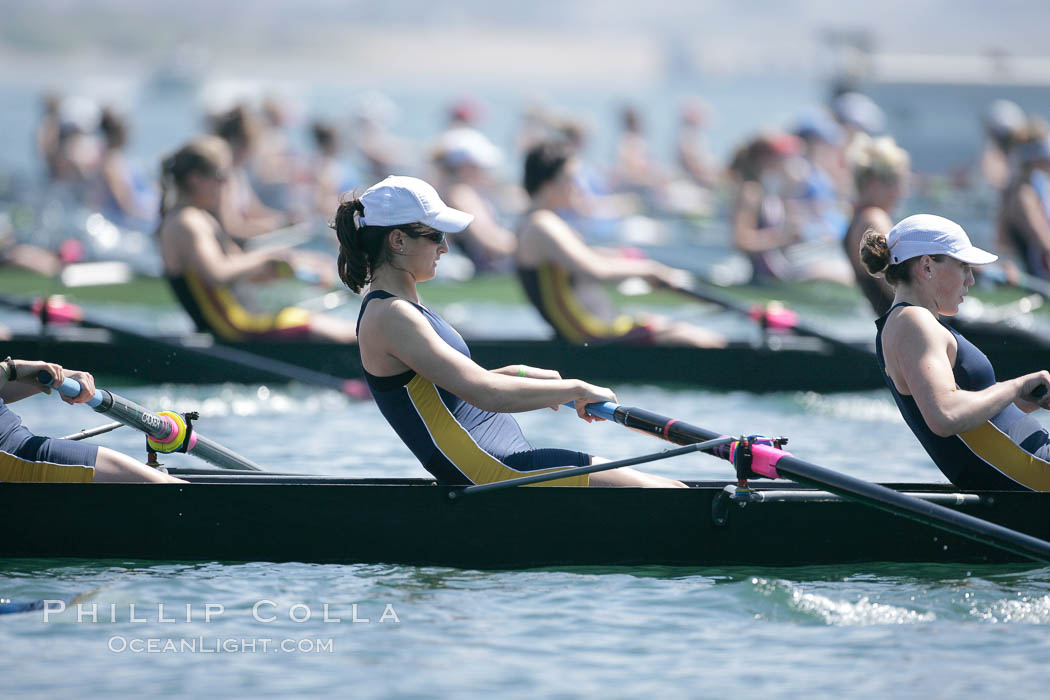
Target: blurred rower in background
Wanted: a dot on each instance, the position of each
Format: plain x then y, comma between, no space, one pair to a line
275,164
202,262
880,172
47,133
124,195
243,214
464,159
692,153
381,152
1004,122
1024,219
634,171
759,220
77,152
559,271
858,114
825,182
770,219
330,173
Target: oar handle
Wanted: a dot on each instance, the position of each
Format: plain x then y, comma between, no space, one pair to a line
604,409
70,388
161,428
169,431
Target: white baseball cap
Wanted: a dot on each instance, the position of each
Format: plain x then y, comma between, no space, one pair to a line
401,200
926,234
467,145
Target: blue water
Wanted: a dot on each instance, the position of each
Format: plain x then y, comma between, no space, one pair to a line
867,630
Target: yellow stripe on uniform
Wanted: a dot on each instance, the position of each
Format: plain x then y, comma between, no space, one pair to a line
14,469
997,449
572,319
232,321
457,444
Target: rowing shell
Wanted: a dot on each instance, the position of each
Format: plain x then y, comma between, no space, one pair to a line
268,517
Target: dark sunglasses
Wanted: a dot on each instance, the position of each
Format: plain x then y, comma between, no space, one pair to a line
438,237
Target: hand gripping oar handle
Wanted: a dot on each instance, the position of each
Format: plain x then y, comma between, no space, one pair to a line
761,458
163,429
70,388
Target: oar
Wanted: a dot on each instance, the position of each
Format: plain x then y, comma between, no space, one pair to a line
752,458
287,237
229,356
328,301
12,607
169,432
589,469
783,320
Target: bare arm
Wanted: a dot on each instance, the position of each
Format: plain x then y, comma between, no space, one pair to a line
1033,218
200,250
117,184
26,383
406,335
557,241
747,236
495,240
243,215
920,351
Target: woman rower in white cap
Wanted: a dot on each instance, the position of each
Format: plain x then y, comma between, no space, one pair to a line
451,412
974,428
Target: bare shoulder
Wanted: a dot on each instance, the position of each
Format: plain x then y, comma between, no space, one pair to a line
462,196
750,194
189,220
541,221
914,327
874,217
387,317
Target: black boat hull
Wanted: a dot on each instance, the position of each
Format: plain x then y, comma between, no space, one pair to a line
413,522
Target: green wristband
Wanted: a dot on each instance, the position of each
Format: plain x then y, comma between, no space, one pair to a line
521,370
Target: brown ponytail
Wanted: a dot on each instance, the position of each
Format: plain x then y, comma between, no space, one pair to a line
357,259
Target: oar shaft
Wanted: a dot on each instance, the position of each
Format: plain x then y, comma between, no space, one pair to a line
917,509
92,432
801,471
588,469
158,427
731,304
233,358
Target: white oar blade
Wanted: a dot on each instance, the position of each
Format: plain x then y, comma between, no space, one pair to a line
96,273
